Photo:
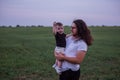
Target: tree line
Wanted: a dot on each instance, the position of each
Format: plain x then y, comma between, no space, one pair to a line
17,26
23,26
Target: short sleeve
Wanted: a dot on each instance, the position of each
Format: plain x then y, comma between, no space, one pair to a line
82,46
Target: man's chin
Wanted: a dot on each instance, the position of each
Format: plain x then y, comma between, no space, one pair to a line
74,35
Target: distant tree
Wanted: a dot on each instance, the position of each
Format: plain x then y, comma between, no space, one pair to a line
17,25
40,26
115,26
33,26
66,26
103,25
9,26
92,26
27,26
3,26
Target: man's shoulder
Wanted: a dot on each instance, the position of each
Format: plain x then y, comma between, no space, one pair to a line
82,42
69,38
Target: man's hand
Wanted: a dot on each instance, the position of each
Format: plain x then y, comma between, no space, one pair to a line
59,56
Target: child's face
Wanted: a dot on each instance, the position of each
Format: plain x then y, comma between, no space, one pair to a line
60,29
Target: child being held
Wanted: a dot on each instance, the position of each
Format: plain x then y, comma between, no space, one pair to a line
60,37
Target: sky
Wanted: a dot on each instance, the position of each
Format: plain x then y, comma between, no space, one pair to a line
45,12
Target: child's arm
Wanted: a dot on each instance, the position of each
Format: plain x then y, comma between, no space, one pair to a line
54,28
68,35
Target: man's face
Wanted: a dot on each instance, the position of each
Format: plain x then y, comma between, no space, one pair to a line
74,29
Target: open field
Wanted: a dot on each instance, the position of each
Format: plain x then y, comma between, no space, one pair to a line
27,54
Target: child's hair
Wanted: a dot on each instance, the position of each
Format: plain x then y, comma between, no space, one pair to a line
59,24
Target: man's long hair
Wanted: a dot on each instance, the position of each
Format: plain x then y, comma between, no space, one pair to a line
83,32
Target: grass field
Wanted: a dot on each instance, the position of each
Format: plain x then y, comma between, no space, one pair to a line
27,54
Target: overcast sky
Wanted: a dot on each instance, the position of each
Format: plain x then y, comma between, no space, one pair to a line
44,12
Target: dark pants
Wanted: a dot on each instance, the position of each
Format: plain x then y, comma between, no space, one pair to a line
70,75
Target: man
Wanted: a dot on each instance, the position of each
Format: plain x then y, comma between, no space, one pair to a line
76,48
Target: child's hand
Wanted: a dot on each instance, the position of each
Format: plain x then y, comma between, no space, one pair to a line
54,24
54,28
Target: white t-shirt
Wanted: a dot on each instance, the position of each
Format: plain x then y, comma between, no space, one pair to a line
72,47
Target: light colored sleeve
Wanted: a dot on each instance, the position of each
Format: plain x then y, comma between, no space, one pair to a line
82,46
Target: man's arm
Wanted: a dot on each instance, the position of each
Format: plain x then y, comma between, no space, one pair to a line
75,60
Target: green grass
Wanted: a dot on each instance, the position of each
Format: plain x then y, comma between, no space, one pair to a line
27,54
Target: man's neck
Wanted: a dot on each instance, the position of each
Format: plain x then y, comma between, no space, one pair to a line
75,37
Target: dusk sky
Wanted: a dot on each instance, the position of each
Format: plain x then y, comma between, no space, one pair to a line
44,12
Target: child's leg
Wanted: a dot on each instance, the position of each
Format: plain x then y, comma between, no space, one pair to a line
58,66
55,64
59,63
